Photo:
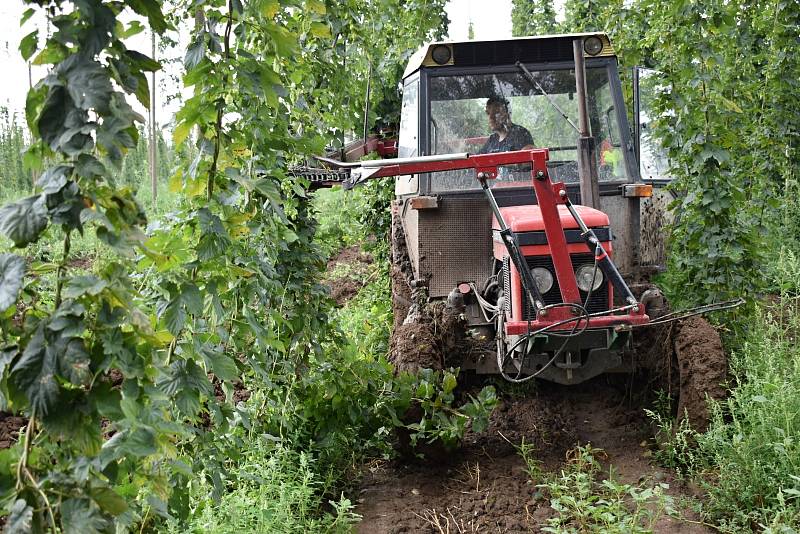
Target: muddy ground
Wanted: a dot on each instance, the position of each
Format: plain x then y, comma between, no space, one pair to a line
485,487
346,273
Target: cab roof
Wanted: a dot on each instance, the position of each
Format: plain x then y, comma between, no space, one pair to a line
542,48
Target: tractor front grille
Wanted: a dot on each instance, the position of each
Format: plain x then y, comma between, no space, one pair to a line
597,303
507,283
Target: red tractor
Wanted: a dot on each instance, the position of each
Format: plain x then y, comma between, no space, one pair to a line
526,255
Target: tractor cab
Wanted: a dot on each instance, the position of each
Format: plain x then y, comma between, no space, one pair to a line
451,236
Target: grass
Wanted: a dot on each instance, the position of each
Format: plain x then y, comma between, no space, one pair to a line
748,461
273,489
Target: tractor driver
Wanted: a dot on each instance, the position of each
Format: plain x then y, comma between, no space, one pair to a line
507,136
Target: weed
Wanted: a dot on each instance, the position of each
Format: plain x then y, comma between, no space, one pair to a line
676,446
533,466
587,502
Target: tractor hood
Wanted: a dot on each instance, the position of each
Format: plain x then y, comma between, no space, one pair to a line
529,218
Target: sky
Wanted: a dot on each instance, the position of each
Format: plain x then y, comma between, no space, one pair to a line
491,20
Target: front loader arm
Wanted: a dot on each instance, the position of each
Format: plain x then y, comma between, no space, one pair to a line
548,194
485,165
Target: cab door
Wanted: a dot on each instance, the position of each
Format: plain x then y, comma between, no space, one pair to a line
655,216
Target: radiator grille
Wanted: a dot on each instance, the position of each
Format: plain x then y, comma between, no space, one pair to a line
455,244
507,283
599,300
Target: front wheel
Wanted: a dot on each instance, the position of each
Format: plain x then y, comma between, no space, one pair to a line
702,367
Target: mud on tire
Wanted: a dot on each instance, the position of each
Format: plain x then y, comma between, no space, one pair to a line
702,368
413,344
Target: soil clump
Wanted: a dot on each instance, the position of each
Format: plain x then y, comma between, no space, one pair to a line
703,369
9,429
414,347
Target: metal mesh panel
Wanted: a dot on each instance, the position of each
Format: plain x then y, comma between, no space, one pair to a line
455,244
599,300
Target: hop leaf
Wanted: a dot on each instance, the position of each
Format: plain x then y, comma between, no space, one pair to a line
23,221
21,518
12,271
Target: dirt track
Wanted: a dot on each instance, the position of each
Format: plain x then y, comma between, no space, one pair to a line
485,486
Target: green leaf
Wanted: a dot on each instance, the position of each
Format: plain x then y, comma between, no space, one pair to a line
142,91
181,132
28,44
52,54
26,16
142,62
23,221
449,383
269,8
174,313
108,500
73,363
82,285
222,365
20,520
152,10
194,53
79,516
88,83
134,28
35,372
140,442
174,316
185,383
54,179
12,273
318,29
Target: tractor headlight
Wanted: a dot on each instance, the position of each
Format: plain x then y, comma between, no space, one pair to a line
441,54
544,279
593,45
584,278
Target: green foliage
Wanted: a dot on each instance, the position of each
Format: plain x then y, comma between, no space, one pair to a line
585,502
13,175
132,371
586,15
433,393
367,318
746,462
277,490
532,17
723,123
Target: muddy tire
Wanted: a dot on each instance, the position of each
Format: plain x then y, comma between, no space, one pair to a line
685,360
401,273
413,344
401,297
702,368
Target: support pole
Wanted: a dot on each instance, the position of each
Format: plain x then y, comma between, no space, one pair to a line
153,139
587,150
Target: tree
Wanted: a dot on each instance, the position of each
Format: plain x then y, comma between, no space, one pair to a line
583,16
532,17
